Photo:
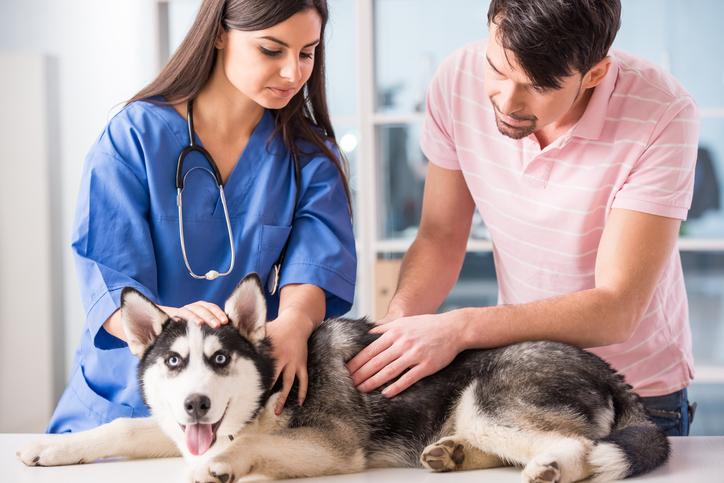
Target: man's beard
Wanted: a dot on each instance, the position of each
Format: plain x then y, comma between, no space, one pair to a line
515,132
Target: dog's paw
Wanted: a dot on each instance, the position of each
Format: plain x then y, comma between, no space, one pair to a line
446,454
218,471
49,451
542,469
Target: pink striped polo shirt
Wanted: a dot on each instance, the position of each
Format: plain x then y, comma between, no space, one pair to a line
634,148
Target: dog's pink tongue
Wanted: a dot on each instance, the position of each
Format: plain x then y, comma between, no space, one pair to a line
198,438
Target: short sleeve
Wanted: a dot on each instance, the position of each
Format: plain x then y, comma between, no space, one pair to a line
321,248
662,180
111,244
437,141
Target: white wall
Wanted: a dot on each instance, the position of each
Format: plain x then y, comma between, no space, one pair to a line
28,286
104,51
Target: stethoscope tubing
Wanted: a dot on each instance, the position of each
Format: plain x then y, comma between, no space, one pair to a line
211,274
273,281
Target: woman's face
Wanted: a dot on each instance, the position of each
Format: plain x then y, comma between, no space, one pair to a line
270,66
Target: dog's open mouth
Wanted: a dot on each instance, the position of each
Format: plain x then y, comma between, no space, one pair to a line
201,436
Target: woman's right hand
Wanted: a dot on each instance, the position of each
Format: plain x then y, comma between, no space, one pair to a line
199,312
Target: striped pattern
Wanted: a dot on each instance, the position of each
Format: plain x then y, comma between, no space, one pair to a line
634,148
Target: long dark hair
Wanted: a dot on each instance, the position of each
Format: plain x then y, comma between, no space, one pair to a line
305,117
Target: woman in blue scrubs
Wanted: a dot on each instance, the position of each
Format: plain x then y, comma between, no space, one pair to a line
254,71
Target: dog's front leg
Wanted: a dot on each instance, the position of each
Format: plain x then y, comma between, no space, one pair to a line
291,453
124,437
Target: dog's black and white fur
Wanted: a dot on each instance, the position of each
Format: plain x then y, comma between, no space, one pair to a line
558,412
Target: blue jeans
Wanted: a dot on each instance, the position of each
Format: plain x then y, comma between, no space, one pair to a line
671,412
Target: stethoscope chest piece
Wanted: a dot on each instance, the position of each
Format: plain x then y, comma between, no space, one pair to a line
212,275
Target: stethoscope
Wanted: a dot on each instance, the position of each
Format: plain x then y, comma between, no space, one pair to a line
273,281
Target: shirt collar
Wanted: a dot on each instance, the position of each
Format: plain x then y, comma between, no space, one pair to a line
591,123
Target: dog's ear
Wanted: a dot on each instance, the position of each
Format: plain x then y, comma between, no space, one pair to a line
142,320
246,308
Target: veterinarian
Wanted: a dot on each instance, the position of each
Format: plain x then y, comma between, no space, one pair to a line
581,162
252,72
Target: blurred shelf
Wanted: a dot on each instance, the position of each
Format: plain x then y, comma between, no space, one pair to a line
709,374
384,118
401,245
712,112
417,117
344,119
701,244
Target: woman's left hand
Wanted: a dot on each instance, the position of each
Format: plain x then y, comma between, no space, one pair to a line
289,333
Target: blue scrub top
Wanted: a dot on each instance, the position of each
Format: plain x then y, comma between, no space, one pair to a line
126,235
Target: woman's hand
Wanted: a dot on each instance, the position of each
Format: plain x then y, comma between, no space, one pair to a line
199,312
289,334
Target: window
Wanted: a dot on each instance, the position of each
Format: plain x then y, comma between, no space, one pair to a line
381,55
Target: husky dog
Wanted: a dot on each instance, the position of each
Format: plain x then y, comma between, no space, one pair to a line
557,411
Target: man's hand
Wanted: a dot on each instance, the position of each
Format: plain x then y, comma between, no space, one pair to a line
424,344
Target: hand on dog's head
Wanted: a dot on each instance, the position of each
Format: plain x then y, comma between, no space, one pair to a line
143,320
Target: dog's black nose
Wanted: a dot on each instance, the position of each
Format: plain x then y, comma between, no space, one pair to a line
197,405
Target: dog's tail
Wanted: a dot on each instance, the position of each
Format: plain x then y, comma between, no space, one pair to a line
635,446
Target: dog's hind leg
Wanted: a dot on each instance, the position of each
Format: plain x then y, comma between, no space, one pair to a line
548,456
455,453
291,453
124,437
558,458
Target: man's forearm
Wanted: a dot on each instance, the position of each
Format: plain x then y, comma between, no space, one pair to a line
589,318
429,271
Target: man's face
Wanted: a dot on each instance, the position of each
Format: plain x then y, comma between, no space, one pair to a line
522,108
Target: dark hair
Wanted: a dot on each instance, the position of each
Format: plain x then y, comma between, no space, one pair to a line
305,117
552,39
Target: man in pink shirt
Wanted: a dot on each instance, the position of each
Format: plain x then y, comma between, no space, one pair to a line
580,160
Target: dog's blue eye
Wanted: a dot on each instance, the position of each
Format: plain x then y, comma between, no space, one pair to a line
220,359
173,361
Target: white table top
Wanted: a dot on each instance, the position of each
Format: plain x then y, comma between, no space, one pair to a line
693,459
